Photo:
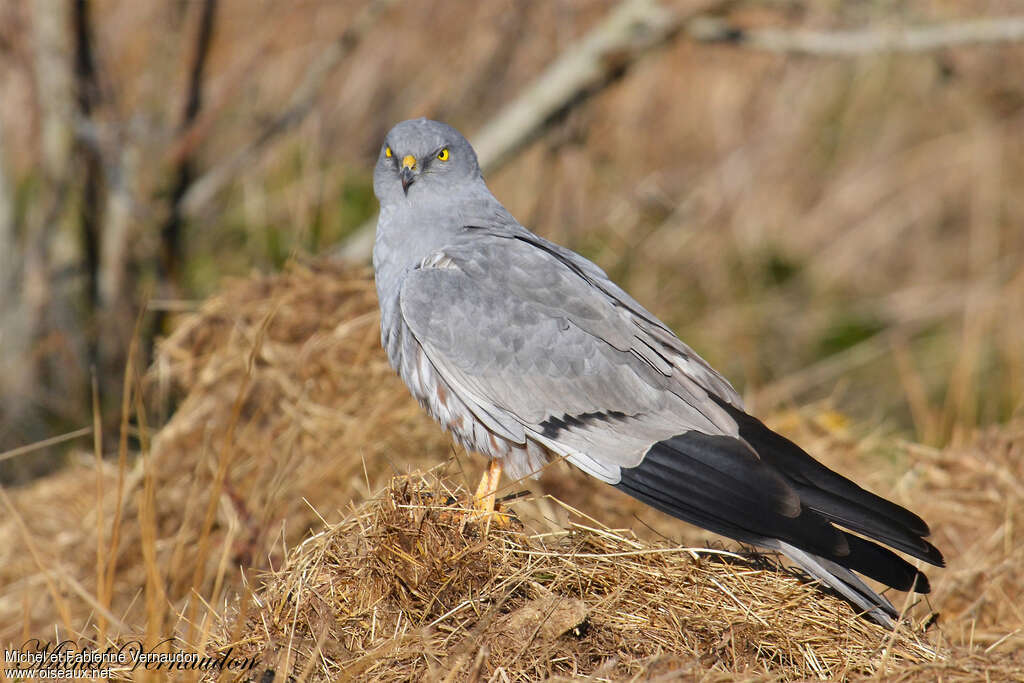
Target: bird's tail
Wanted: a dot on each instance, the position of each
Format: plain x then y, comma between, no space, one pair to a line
843,581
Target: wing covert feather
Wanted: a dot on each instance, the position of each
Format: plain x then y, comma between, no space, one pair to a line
556,348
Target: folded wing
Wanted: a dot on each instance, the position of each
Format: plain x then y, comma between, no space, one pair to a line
545,344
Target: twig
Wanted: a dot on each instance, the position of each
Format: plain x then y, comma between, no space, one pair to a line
862,41
45,443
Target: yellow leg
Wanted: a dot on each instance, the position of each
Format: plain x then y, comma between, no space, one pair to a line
485,492
484,500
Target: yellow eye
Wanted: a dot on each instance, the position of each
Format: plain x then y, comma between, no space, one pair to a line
387,152
443,154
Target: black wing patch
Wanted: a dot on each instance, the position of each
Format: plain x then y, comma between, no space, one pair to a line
553,426
717,483
720,484
834,496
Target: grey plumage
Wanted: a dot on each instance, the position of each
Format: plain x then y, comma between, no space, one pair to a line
525,350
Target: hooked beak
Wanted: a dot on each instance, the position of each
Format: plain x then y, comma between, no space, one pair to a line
408,164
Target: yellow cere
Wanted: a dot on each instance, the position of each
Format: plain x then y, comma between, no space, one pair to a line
409,161
443,154
387,152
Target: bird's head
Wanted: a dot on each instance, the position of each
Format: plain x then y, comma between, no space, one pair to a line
421,157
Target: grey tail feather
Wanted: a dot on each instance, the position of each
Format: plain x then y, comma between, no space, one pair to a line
842,580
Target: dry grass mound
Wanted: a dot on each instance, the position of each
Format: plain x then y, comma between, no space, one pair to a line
409,585
283,413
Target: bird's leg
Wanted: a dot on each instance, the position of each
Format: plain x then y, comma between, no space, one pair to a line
484,500
485,492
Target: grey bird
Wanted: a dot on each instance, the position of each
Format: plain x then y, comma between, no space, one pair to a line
526,351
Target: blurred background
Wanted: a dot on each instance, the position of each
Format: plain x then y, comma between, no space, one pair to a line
837,228
825,199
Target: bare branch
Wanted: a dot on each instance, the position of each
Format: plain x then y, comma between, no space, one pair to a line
862,41
636,26
630,31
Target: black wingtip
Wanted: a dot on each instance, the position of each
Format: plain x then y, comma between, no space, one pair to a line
881,564
833,495
717,483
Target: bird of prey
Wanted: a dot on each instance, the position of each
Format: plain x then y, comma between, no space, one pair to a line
526,351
